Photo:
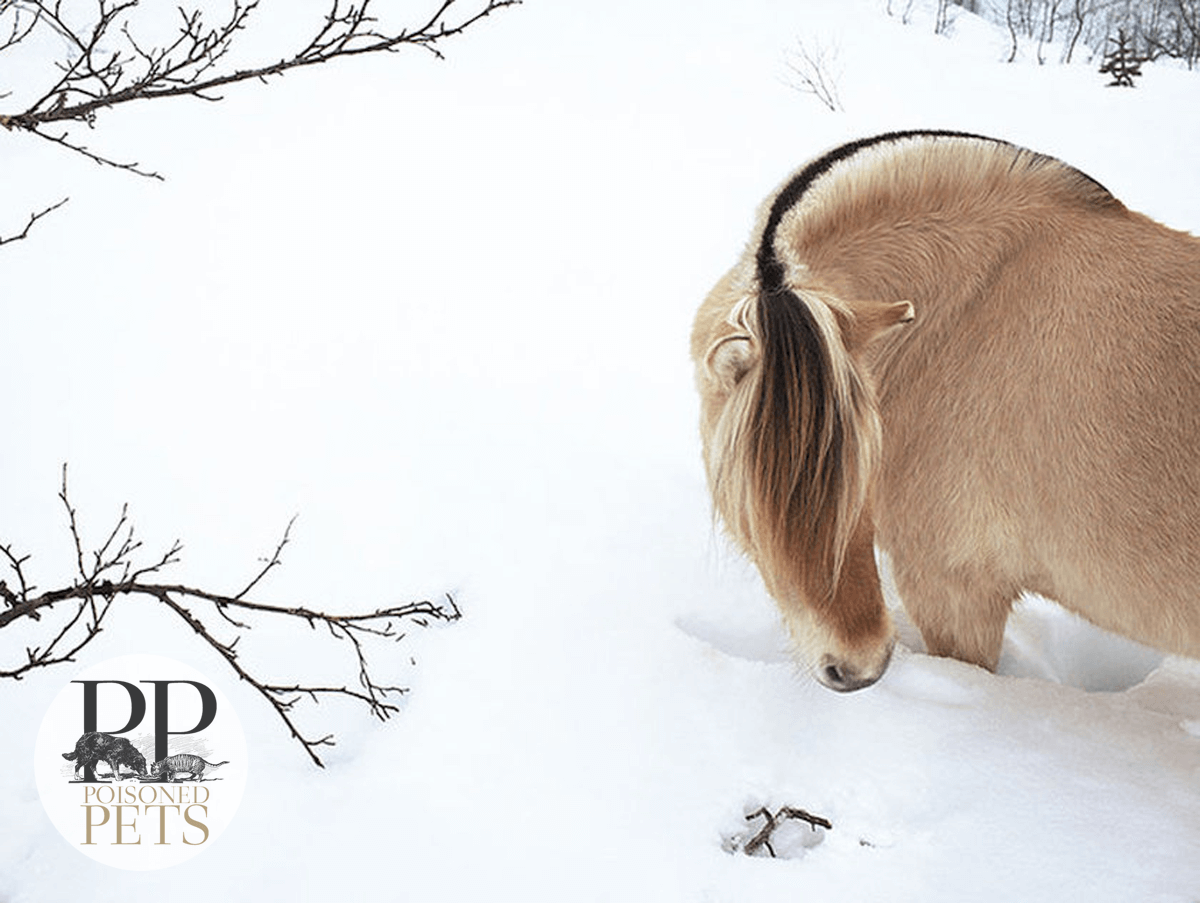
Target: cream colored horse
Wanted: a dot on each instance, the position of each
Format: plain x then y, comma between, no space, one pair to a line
976,358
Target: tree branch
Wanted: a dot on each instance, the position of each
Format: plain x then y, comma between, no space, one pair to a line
91,595
33,218
762,840
106,66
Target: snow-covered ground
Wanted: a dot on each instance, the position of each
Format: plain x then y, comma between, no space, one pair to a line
441,310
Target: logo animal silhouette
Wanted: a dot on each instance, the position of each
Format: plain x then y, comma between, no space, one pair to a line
94,747
171,767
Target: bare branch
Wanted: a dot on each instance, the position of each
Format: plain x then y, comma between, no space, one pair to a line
771,823
22,26
269,563
33,218
107,66
811,68
83,151
109,572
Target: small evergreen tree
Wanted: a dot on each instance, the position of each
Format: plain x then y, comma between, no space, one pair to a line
1122,62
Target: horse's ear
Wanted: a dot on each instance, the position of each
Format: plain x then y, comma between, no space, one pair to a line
895,314
870,319
729,359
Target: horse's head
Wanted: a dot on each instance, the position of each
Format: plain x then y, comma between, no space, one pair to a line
791,444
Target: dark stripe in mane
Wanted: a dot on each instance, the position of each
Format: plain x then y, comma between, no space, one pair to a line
808,416
799,428
770,268
791,341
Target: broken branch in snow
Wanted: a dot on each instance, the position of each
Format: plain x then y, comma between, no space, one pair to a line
762,839
109,572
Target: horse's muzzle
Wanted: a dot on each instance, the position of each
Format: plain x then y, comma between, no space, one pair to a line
844,677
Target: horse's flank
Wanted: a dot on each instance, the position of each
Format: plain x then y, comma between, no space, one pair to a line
1033,429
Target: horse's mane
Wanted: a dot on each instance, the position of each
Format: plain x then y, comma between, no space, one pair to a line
799,440
912,173
967,158
796,445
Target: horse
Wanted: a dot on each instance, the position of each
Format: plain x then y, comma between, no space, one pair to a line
974,358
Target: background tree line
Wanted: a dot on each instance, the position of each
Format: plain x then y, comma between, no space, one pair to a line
1155,28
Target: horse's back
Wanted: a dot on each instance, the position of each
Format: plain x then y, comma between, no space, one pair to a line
1046,436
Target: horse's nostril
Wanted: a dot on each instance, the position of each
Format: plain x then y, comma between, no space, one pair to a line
842,677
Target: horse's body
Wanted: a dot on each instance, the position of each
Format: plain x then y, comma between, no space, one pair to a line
1035,427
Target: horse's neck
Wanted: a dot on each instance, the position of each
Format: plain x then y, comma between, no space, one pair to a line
926,224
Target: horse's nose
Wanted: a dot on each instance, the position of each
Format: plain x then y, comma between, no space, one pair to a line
843,677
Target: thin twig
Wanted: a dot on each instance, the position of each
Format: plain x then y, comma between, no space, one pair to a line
33,218
273,561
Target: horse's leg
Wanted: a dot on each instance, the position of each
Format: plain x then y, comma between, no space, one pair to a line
960,616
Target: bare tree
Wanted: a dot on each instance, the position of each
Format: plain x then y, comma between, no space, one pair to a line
112,54
1010,19
60,623
941,24
1046,34
1122,62
1077,23
1153,28
1184,17
906,16
812,69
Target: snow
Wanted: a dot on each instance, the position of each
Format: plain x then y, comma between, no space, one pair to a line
441,310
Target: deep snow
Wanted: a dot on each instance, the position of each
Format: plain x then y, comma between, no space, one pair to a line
441,310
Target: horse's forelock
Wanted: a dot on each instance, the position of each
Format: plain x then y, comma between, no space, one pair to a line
796,446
